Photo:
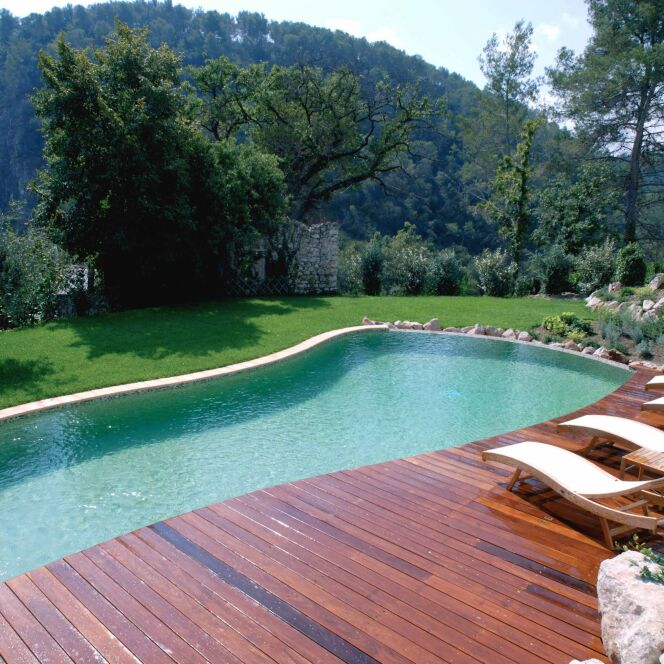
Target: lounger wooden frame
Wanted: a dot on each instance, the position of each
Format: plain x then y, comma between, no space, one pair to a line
656,383
628,520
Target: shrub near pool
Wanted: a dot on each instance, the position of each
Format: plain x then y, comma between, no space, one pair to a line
79,354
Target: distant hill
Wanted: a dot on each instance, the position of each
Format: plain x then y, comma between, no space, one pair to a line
434,199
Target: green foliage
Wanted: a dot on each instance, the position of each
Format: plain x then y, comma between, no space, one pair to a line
645,349
32,272
371,266
553,268
350,270
327,131
510,202
496,273
574,215
567,324
613,93
595,266
652,568
631,265
132,185
445,274
407,262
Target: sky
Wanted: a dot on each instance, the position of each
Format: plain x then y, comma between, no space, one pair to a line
447,33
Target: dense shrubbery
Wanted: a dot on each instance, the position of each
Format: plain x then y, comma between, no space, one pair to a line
32,272
567,324
595,266
445,274
495,272
552,268
631,266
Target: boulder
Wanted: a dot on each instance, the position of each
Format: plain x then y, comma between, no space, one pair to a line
509,334
636,310
591,296
490,330
612,306
585,661
632,611
659,304
588,350
611,354
524,336
555,344
593,302
614,287
647,305
467,329
367,321
433,325
656,282
570,345
407,325
457,330
476,330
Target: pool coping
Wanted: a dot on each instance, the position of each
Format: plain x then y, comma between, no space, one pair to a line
49,403
32,407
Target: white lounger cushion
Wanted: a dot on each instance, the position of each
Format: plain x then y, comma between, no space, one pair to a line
656,383
656,405
571,471
630,432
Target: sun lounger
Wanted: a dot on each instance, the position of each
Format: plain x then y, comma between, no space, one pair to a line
654,406
582,482
656,383
608,428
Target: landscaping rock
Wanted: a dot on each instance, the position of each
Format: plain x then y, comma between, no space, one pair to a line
490,331
588,350
467,329
659,304
613,305
457,330
647,305
611,354
632,611
570,345
585,661
636,310
367,321
509,334
656,282
593,302
433,325
476,330
636,364
614,287
555,344
524,336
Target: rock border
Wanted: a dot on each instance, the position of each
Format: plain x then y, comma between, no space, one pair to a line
433,327
32,407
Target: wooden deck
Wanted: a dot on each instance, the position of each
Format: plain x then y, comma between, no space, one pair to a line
427,559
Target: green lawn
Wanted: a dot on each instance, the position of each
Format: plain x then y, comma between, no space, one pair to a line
84,353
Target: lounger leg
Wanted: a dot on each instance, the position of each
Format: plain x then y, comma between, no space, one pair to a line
606,531
514,480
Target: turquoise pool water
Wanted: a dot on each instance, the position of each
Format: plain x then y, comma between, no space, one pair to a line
73,477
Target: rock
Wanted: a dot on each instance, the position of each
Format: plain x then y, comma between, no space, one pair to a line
456,330
656,282
433,325
509,334
524,336
591,296
585,661
659,304
467,329
367,321
391,326
647,305
477,330
636,310
611,354
632,611
593,302
416,326
407,325
612,306
568,295
570,345
555,344
614,287
490,330
588,350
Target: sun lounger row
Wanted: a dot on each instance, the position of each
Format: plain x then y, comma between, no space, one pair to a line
584,483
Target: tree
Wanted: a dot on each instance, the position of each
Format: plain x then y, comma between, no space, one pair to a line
511,198
614,94
329,132
134,186
574,214
508,67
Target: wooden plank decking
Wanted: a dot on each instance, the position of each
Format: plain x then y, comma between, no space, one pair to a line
427,559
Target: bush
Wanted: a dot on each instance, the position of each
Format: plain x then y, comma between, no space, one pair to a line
407,262
371,266
526,284
595,267
32,272
495,272
645,349
631,265
610,328
445,274
567,324
553,268
350,270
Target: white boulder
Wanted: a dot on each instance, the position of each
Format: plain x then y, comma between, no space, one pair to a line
524,336
457,330
656,282
509,334
593,302
632,611
647,305
477,330
588,350
614,287
433,325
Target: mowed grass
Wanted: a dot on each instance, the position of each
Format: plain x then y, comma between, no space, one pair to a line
79,354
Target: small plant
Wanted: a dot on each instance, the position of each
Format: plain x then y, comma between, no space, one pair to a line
566,324
577,336
653,567
645,349
631,265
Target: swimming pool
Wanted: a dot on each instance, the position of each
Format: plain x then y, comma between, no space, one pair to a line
74,477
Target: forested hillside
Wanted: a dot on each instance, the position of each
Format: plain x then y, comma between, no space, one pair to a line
444,177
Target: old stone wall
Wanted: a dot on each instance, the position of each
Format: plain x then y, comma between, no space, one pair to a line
315,264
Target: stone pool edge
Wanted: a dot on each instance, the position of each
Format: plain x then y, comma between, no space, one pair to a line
32,407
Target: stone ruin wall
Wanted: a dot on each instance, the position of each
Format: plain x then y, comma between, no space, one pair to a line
316,259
